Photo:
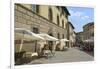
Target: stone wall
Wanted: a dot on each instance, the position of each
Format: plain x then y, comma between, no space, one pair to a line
27,19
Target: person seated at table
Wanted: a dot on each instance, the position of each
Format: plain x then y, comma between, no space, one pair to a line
46,50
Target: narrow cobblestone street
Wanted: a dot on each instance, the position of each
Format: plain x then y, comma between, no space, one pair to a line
71,55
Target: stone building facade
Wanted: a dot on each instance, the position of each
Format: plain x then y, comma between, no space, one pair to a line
79,36
79,39
52,20
88,31
71,34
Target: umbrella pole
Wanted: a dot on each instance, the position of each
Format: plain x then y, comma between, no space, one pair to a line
21,45
46,42
35,45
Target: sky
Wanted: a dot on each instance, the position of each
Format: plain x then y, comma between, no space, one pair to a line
80,16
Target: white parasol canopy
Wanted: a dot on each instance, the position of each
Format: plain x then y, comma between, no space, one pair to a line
65,40
24,34
27,34
47,37
89,40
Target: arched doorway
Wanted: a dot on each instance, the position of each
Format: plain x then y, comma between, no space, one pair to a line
50,43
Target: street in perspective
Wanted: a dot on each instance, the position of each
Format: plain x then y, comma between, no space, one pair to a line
72,55
46,34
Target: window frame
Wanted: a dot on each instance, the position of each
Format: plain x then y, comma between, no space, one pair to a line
50,14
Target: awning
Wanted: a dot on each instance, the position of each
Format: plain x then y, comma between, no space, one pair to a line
48,37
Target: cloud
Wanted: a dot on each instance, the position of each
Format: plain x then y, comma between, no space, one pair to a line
79,15
76,13
85,17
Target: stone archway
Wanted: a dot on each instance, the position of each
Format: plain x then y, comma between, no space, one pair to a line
51,34
50,31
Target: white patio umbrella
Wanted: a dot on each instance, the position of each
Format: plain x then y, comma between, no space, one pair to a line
24,34
92,39
65,40
47,37
89,40
85,40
